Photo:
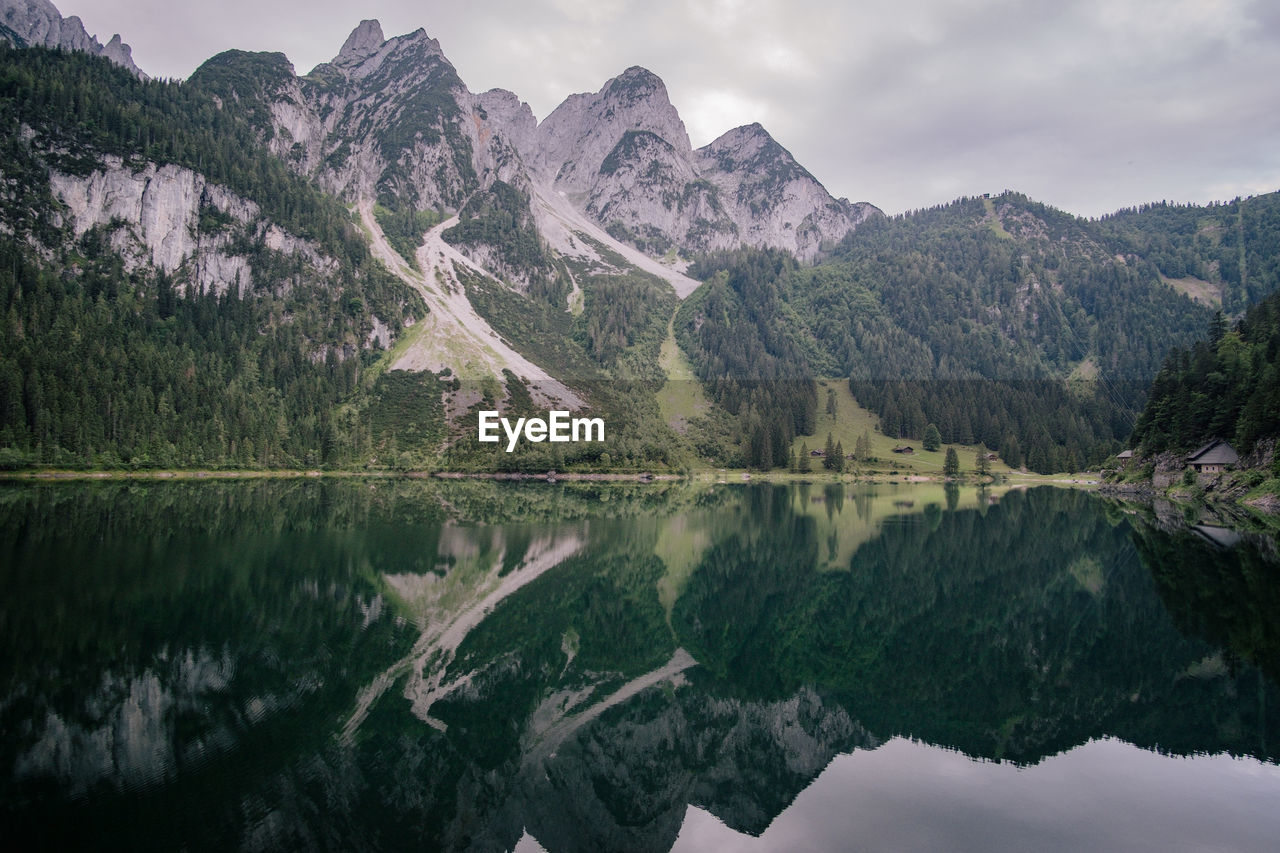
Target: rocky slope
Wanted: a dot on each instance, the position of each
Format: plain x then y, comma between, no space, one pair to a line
26,23
174,220
781,204
390,120
624,156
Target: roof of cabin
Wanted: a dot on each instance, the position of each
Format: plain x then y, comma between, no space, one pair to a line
1216,452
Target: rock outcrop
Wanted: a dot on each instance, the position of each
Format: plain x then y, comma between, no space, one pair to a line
773,199
580,134
174,220
38,23
623,155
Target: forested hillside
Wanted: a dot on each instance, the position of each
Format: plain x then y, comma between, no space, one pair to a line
972,316
107,363
1225,387
1227,254
739,335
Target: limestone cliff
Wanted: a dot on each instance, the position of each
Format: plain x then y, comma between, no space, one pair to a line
772,198
174,220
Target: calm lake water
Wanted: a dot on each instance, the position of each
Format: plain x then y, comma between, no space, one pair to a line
416,665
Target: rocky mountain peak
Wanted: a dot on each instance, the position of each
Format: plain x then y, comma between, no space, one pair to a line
364,40
119,53
751,148
636,84
366,54
39,23
511,116
580,134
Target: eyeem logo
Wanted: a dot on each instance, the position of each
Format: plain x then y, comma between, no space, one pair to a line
558,427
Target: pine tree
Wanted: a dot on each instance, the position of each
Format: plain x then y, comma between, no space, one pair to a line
983,463
838,466
803,464
862,447
932,438
829,462
1217,328
951,468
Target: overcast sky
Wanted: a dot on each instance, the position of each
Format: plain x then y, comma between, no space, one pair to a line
1089,105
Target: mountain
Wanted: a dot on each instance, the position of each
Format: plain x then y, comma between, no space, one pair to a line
370,253
999,320
624,153
27,23
391,119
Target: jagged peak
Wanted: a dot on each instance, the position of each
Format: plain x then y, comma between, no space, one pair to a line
751,147
419,37
364,40
639,72
366,48
636,83
38,22
746,134
499,94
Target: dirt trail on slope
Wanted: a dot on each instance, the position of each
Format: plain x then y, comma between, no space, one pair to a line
453,335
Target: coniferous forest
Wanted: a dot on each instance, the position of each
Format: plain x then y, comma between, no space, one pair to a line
1001,321
1227,386
103,367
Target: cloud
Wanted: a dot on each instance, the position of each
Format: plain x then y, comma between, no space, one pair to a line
1086,104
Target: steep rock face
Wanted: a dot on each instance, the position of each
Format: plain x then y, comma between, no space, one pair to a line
394,120
773,199
387,121
623,155
503,127
575,140
648,194
28,23
174,220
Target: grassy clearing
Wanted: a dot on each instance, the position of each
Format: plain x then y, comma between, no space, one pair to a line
1197,290
851,420
682,397
1085,371
993,221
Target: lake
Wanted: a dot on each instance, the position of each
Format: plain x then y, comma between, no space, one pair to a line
394,664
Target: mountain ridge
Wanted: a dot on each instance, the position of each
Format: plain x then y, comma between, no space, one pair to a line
38,22
657,197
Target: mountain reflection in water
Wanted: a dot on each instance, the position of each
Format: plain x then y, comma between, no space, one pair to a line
387,664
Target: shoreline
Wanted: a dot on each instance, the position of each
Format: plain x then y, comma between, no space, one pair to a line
60,475
719,475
